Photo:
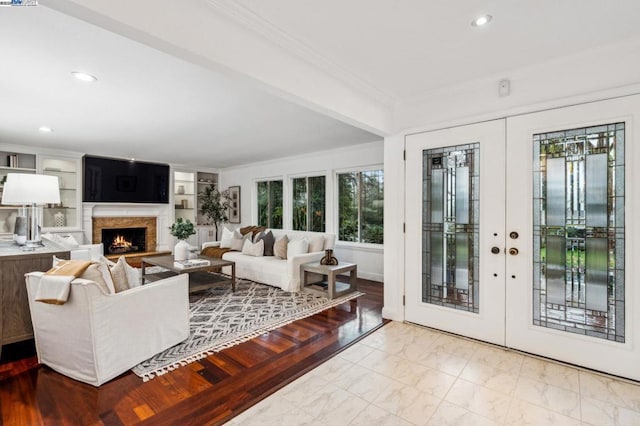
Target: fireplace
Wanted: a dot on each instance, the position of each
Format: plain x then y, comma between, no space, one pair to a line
124,240
125,235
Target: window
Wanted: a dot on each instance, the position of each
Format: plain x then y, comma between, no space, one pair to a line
361,206
308,203
270,204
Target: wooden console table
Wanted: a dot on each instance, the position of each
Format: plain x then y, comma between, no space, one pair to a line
15,318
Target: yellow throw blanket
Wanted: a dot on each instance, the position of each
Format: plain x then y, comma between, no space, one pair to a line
55,284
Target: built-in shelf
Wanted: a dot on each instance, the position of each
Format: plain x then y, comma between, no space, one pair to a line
65,216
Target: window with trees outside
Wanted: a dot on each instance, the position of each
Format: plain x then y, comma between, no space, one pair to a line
270,204
308,203
361,206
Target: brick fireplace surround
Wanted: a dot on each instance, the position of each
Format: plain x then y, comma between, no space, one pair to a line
98,223
150,223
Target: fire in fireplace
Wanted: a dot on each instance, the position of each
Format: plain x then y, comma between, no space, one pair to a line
124,240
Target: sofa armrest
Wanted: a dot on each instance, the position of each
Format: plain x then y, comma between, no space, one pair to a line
293,267
210,244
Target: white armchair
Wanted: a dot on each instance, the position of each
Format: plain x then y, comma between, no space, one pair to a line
96,336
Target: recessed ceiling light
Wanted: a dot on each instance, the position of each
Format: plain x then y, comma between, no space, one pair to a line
45,129
481,21
83,76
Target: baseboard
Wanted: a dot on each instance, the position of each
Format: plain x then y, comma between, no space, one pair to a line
371,276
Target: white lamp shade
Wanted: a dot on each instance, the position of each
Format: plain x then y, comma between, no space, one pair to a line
21,189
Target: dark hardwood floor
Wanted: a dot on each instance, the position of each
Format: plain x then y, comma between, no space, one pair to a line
210,391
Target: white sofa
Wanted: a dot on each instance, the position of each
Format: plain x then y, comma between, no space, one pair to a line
282,273
96,336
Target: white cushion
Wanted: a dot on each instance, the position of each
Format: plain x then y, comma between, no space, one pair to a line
238,240
253,249
124,275
316,243
227,238
299,246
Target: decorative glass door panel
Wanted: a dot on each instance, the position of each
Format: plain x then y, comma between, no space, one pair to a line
452,177
451,206
579,231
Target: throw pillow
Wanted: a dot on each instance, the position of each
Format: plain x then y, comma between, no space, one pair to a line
56,260
280,247
227,238
124,275
238,240
253,249
316,243
97,272
269,241
296,247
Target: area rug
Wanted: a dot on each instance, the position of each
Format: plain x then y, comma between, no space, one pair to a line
221,318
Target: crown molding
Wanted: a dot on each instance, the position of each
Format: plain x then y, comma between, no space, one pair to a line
251,21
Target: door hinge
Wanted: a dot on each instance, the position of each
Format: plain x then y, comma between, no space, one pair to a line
403,300
404,155
404,227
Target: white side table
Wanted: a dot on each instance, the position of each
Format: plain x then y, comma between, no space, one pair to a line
330,272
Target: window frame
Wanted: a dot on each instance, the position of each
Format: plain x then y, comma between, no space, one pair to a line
256,205
336,209
291,198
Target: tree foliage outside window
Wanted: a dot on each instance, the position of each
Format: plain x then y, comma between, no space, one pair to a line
308,204
361,206
270,204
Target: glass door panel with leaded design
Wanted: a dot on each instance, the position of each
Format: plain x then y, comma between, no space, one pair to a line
570,174
455,187
578,223
451,206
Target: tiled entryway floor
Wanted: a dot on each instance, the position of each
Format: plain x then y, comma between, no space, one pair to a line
404,374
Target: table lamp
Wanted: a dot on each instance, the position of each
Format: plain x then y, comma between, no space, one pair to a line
31,190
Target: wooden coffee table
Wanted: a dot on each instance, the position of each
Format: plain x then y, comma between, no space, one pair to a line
200,277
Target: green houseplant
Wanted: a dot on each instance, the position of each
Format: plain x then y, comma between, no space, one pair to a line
214,205
182,229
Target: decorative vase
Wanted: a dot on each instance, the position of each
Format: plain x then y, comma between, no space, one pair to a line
180,189
328,258
181,250
59,219
11,222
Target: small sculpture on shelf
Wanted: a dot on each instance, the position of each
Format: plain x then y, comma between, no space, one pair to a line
328,258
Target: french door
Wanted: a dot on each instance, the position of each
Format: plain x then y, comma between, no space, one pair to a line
521,232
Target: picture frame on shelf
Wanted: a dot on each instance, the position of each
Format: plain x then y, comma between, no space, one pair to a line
234,204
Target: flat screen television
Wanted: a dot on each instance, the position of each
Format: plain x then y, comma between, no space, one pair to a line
109,180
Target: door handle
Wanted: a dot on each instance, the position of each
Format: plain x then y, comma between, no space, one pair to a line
513,251
495,250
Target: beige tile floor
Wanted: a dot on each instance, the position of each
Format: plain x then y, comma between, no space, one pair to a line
408,375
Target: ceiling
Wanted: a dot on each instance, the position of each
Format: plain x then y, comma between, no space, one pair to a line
150,105
405,48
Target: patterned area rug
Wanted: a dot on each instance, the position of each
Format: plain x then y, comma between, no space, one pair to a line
221,318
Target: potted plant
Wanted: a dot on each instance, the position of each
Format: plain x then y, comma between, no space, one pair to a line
214,205
182,229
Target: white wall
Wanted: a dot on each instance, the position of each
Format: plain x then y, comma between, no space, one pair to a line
368,257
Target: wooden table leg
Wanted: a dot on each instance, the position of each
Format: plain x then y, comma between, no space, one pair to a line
142,273
233,277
